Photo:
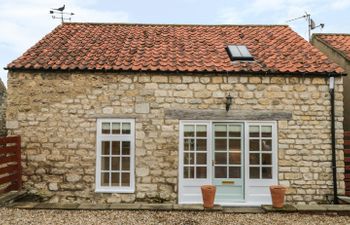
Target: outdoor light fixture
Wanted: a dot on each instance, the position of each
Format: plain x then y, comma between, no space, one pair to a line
228,102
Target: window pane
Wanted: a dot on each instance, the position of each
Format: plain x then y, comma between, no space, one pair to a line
115,179
234,131
266,159
201,158
201,144
105,163
234,158
115,128
125,163
254,131
235,172
254,172
267,173
221,144
266,131
189,130
254,145
189,145
201,130
220,158
115,148
201,172
188,158
126,128
125,148
104,179
220,130
220,172
105,128
266,145
105,147
125,179
235,145
188,172
115,163
254,158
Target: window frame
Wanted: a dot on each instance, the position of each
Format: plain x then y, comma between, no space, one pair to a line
114,137
258,182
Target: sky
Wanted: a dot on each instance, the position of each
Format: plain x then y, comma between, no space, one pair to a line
25,22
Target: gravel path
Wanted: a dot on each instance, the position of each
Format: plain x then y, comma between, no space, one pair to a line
84,217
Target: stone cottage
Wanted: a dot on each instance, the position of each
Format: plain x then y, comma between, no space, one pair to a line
337,48
149,113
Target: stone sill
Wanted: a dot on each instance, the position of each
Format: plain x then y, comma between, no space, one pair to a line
312,209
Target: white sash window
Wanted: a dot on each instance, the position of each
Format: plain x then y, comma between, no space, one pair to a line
115,155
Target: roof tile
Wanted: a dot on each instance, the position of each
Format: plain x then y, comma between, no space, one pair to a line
147,47
340,42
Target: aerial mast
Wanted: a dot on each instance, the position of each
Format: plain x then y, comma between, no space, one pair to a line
310,22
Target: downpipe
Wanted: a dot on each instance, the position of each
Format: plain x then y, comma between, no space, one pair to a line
334,155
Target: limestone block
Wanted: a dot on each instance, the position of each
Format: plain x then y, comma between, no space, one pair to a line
73,177
142,108
12,124
53,186
142,172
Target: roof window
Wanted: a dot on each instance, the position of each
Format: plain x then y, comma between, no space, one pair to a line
239,52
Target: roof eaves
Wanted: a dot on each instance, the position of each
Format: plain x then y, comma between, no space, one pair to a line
243,72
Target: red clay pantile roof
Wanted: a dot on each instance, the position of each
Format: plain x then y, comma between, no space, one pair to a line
187,48
339,42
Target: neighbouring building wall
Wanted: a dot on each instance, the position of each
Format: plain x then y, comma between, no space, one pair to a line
55,113
3,131
345,64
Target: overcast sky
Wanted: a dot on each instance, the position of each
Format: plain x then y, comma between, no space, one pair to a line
25,22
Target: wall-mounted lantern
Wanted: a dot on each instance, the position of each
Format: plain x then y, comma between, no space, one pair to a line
228,102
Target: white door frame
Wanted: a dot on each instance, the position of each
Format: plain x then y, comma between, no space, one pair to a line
193,194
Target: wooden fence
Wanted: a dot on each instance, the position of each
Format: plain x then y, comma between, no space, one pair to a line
347,162
10,164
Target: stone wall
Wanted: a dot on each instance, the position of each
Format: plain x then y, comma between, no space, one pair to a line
55,113
3,131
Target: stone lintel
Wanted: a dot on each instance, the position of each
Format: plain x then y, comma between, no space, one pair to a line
186,114
115,115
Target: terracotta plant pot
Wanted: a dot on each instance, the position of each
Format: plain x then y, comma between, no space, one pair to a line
208,194
277,194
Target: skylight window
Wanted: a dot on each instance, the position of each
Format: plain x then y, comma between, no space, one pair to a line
239,52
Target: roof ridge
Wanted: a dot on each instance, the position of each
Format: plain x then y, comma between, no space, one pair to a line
174,24
335,34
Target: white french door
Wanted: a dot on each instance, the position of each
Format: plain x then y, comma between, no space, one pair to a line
228,162
238,157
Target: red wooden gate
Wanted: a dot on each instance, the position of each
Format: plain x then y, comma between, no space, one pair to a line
10,164
347,161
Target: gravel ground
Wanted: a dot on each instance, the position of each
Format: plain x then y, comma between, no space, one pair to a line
84,217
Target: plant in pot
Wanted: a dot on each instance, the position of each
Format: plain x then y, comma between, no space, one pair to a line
208,195
278,193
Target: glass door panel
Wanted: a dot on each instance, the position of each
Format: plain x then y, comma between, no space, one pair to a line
228,161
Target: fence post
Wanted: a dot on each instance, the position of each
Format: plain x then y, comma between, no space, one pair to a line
19,163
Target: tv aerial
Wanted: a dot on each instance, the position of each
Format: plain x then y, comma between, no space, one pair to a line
59,14
311,23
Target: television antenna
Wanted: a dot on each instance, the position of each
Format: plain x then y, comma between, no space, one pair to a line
311,23
61,14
